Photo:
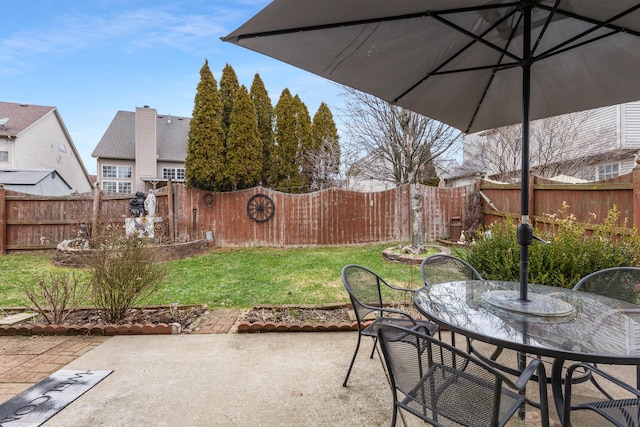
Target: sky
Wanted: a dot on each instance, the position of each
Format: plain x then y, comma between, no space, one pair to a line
92,58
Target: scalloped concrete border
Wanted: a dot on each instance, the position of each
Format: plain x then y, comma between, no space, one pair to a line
89,329
258,327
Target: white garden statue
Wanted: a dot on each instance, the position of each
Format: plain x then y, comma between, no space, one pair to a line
150,204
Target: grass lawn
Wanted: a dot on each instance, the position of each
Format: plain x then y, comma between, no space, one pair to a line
237,277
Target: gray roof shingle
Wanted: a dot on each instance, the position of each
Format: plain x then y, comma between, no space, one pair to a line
118,142
20,116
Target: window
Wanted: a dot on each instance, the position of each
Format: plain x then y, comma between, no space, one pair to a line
176,174
123,187
611,170
4,151
110,171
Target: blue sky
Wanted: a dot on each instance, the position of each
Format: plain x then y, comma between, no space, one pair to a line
91,58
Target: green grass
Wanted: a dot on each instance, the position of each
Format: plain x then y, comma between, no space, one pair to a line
239,277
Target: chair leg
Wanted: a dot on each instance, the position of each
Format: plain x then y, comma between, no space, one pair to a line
375,343
353,359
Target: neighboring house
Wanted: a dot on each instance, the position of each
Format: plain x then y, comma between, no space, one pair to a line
34,137
373,173
40,182
602,147
141,150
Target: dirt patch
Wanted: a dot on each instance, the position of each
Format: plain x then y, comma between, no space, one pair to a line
296,315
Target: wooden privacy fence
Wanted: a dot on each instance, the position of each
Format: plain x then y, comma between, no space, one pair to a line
329,217
589,202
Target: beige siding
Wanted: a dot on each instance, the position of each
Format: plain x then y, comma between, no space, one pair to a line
45,145
146,151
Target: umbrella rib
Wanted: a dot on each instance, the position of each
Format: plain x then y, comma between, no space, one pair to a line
475,38
552,12
427,13
599,24
480,38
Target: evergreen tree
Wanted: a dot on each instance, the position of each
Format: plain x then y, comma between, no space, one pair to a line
305,145
244,146
228,87
264,114
284,168
323,159
204,164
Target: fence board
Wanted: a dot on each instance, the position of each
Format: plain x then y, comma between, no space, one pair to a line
328,217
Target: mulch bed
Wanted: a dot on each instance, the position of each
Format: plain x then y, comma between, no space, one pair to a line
145,320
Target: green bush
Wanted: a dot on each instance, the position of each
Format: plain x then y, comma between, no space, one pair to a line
573,252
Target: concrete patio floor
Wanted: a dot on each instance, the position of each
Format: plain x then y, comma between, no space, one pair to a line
270,379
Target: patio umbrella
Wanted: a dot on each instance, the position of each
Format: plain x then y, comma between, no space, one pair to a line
472,64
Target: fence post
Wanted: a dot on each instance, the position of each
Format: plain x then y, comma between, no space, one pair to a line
636,193
95,214
172,226
3,221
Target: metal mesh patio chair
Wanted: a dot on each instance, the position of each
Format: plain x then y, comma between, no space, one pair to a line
622,412
621,283
444,385
441,268
367,292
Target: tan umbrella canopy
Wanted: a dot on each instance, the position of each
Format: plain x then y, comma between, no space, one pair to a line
472,64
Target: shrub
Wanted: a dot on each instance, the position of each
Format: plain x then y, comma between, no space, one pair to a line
123,272
55,295
573,251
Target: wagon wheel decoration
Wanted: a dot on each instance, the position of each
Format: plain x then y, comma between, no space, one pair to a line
260,207
209,200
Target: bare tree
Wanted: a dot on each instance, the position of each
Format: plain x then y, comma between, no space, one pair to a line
323,165
397,144
559,145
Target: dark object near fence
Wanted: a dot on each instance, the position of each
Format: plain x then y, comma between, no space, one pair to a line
136,205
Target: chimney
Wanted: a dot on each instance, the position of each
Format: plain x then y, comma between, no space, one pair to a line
146,146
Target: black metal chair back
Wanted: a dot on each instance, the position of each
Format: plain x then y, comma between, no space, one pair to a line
440,268
621,283
367,292
444,385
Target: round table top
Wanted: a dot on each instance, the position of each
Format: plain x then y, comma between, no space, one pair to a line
583,326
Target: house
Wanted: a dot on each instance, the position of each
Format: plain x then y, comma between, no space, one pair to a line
34,139
40,182
141,151
592,145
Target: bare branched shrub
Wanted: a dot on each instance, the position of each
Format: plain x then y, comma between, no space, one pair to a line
123,272
55,295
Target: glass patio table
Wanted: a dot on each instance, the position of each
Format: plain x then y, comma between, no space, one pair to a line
585,327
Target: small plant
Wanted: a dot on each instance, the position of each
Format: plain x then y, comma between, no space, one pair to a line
55,295
123,272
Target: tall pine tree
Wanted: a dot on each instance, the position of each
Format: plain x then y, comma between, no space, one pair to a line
305,144
244,146
284,167
264,114
324,159
204,164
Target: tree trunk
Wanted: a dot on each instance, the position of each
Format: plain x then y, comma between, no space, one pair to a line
416,217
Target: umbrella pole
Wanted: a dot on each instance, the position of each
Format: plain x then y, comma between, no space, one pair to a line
525,232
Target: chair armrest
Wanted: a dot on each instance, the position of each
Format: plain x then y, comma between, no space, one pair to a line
594,370
390,311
